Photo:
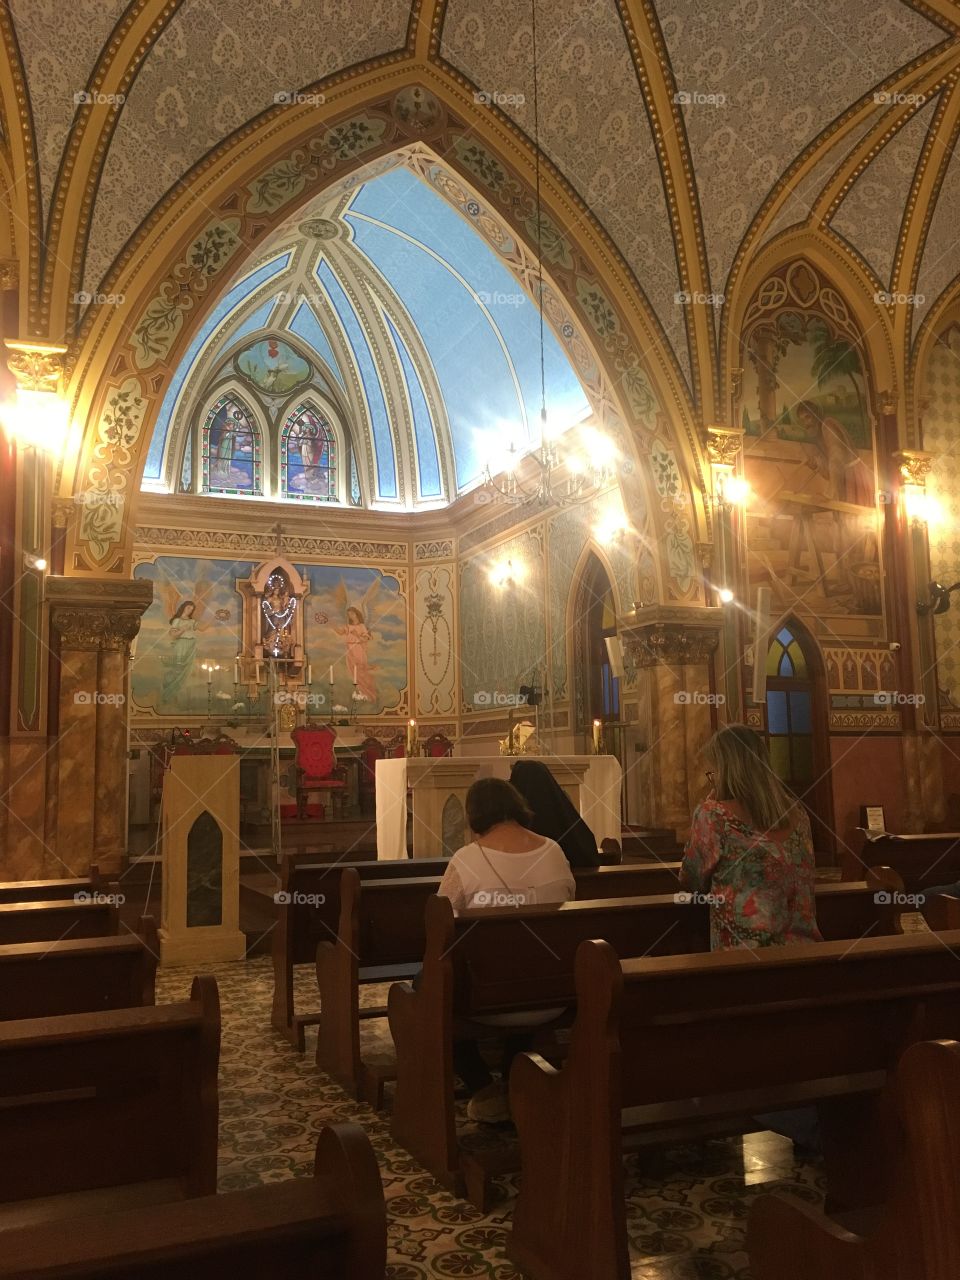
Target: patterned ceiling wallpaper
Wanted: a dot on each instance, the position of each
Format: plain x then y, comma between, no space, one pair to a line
593,122
941,391
59,44
870,215
786,68
940,262
217,66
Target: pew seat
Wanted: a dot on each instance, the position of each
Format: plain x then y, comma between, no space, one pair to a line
44,890
52,920
692,1039
331,1226
100,1109
49,979
917,1231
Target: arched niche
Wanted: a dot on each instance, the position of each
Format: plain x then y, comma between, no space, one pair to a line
204,872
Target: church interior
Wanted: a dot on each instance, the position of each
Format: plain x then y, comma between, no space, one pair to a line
405,406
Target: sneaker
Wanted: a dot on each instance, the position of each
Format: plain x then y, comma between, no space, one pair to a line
490,1105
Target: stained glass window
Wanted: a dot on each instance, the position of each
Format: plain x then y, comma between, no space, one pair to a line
785,657
789,710
308,457
231,450
355,496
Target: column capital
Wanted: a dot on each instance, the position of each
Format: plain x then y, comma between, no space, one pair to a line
915,465
724,445
37,365
675,635
97,614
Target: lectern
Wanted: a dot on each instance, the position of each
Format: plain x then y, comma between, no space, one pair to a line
200,913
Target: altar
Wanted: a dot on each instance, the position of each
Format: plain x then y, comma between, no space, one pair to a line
437,789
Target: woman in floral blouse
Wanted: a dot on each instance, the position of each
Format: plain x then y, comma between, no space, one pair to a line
750,850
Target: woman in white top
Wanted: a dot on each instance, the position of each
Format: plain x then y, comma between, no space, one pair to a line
505,865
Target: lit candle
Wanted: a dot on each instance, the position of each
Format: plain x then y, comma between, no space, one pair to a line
411,737
596,737
208,667
236,671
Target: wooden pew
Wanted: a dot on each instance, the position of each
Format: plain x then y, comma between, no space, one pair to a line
100,1110
478,963
664,1045
44,890
917,1231
331,1225
919,860
52,921
380,938
308,906
48,979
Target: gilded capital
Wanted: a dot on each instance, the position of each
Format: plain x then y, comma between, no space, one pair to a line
99,614
36,366
915,465
675,636
9,273
724,445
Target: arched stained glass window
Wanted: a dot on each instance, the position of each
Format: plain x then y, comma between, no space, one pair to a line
308,457
789,710
231,449
785,657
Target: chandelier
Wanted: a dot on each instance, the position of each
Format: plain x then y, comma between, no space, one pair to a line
569,465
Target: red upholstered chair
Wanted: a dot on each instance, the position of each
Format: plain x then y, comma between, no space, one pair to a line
371,750
438,744
316,765
397,749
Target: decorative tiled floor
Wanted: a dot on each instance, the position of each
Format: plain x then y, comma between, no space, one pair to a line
687,1206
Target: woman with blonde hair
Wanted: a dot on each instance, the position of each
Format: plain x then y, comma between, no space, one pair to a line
750,849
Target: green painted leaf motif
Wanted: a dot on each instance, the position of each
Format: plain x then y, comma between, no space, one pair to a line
555,247
213,248
353,137
275,187
666,476
680,558
599,312
102,523
639,396
157,330
480,162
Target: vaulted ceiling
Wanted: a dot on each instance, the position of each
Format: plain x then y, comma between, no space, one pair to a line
694,133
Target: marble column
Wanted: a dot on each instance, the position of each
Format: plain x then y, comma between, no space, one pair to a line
673,650
96,622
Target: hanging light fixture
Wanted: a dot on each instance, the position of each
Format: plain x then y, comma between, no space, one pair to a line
568,466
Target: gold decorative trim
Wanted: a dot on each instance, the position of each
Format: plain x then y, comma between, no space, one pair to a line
256,544
842,721
36,366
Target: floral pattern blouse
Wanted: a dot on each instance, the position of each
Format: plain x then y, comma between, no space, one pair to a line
760,884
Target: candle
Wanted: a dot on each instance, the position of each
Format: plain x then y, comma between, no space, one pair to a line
209,667
309,674
331,675
411,737
354,675
236,671
596,737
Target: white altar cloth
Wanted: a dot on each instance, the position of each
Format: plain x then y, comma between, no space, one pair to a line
599,793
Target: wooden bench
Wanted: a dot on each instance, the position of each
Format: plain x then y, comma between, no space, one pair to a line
917,1231
676,1045
380,938
44,890
105,1110
332,1225
307,902
482,963
919,860
53,921
47,979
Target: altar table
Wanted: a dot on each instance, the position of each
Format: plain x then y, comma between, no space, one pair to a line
438,787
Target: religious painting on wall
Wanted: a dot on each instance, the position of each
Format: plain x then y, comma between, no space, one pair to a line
231,449
813,528
357,631
273,366
308,457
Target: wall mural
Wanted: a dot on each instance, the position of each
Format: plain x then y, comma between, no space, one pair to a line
273,366
354,625
812,521
941,391
436,658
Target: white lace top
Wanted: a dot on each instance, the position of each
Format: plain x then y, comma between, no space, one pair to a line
477,876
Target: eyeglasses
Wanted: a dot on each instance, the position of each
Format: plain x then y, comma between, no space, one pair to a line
709,777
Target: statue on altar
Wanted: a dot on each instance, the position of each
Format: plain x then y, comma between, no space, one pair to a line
278,608
521,740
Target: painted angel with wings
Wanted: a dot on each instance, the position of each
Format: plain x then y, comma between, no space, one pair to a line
186,614
357,635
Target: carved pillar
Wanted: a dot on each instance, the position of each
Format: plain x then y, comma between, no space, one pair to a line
96,622
673,650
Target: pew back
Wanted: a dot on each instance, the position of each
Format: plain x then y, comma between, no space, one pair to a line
94,1100
51,921
43,890
49,979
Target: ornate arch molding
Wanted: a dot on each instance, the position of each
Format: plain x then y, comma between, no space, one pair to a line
22,194
836,269
170,277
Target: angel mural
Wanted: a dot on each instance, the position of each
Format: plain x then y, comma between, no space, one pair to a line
376,605
187,616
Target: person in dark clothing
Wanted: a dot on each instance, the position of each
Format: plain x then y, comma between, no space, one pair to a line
554,815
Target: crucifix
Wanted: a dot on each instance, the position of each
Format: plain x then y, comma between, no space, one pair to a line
277,531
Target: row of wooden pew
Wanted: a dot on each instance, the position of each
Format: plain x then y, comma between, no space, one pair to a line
109,1120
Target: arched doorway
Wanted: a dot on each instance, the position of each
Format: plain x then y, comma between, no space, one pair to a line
796,726
598,663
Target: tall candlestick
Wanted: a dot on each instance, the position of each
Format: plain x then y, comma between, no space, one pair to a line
331,675
411,737
596,737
